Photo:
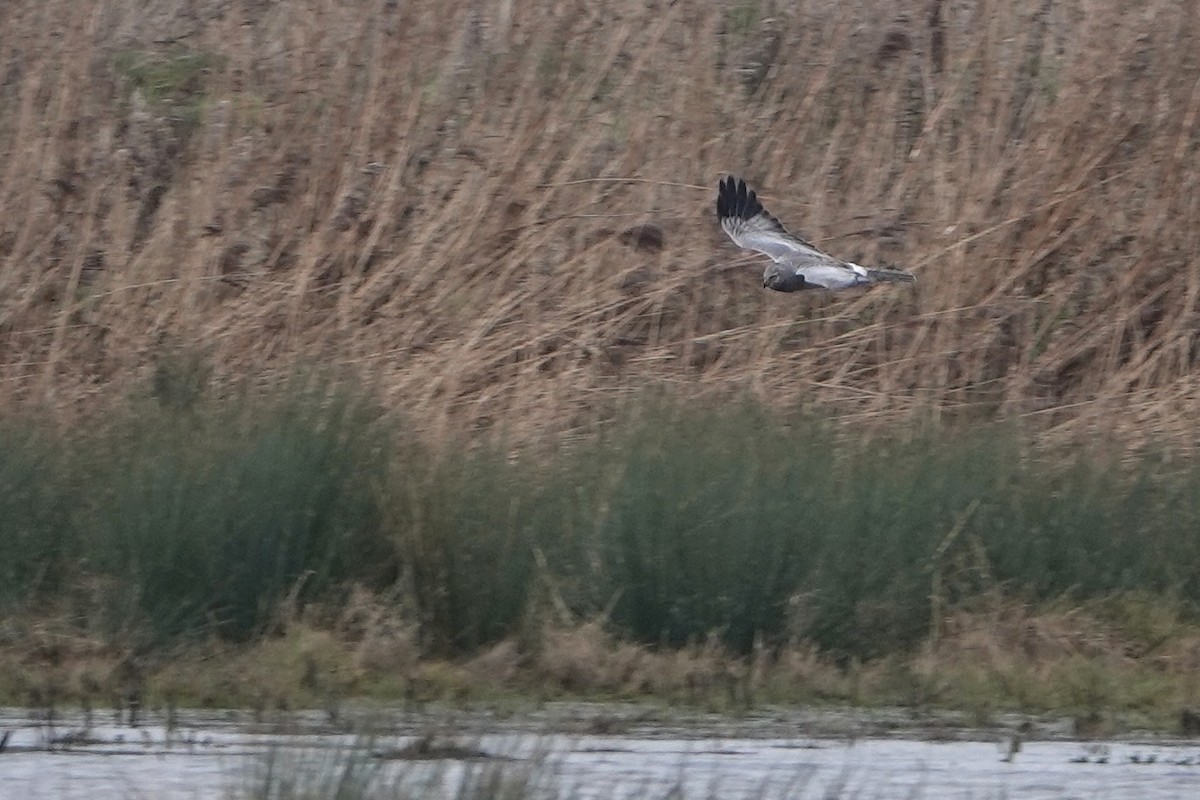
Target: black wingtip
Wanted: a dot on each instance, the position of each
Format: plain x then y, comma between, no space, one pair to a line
736,199
725,191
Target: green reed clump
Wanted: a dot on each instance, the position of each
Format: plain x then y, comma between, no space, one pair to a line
675,524
1092,526
692,522
37,540
732,521
466,527
739,523
210,514
891,507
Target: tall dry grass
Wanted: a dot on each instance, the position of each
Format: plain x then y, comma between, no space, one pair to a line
443,197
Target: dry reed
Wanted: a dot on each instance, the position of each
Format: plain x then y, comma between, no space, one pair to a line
443,197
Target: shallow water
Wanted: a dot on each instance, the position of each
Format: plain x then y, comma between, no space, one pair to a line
603,752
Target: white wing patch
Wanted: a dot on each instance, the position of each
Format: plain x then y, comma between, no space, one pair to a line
832,277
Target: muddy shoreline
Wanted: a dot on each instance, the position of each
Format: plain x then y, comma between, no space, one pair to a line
75,730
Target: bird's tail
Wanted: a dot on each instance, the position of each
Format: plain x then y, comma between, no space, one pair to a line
891,275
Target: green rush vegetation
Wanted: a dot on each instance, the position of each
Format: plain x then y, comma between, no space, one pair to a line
207,516
350,773
35,519
176,519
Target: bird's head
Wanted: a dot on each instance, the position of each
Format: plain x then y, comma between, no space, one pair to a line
782,280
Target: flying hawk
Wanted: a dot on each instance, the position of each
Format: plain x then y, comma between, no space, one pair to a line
797,264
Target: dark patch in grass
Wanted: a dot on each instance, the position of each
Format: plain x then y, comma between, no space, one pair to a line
174,76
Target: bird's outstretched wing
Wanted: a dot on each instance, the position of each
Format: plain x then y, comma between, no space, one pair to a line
752,227
798,264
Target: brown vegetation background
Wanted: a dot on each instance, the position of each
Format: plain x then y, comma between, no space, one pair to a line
443,197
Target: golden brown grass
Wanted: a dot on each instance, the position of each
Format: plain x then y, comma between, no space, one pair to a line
439,197
1072,661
